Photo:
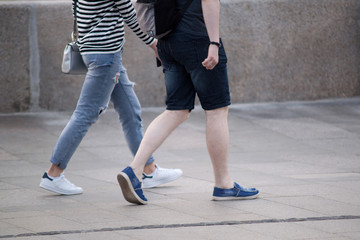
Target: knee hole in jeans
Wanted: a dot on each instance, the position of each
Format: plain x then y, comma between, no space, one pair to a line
117,75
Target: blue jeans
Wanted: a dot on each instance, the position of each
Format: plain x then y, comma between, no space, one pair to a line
105,80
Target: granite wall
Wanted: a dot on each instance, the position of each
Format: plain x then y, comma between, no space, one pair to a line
278,50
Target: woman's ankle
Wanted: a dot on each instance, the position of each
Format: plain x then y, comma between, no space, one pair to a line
54,171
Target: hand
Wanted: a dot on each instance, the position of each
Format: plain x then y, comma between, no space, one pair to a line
213,57
153,46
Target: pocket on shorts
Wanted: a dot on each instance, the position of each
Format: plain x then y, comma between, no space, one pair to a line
222,54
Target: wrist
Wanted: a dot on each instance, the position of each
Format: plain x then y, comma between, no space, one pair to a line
218,44
154,41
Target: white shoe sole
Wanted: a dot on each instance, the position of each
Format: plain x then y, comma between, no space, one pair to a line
128,190
53,189
234,198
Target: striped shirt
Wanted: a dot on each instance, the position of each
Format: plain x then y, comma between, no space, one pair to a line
101,25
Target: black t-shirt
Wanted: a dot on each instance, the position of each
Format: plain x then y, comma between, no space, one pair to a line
193,21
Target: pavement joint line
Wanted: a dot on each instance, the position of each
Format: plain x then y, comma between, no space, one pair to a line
184,225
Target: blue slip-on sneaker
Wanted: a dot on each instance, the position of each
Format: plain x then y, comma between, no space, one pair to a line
131,186
237,192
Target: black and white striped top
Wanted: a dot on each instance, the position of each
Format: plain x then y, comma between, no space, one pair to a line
101,25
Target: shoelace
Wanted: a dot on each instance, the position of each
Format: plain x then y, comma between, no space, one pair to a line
63,178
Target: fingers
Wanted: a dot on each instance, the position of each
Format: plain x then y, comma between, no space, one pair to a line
212,59
153,45
209,63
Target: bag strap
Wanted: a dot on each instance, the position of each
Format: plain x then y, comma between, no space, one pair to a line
181,12
187,4
75,32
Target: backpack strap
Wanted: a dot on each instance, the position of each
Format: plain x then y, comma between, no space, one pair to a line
181,12
187,4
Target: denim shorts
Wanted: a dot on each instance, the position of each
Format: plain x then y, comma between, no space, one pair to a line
185,77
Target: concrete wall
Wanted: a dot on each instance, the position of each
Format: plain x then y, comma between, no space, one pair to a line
278,50
14,58
292,49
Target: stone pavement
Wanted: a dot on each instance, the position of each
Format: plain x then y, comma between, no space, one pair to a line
304,157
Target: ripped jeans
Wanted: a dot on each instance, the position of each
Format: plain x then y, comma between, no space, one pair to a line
105,80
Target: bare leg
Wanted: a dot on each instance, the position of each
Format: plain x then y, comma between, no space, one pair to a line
217,140
54,171
150,168
158,130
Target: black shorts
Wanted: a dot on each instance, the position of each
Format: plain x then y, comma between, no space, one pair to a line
185,76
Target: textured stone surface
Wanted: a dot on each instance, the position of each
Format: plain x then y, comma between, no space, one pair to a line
14,58
55,24
278,50
291,50
308,191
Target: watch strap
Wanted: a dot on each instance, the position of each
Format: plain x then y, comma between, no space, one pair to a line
215,43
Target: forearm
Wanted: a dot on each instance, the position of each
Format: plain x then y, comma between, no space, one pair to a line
134,26
128,13
211,13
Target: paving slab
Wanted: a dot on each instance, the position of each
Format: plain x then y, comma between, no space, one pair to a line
303,157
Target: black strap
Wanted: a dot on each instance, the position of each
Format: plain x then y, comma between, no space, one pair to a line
187,4
145,1
75,33
215,43
181,12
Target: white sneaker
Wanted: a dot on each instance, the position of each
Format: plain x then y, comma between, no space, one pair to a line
59,185
160,176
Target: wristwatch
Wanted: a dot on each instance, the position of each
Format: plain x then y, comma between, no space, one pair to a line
215,43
